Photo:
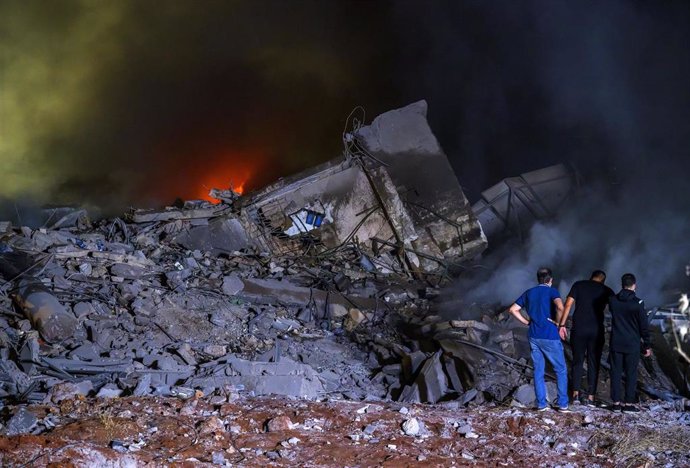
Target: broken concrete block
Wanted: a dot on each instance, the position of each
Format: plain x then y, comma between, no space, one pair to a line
432,380
109,391
353,319
69,390
215,350
223,235
525,395
410,394
81,309
22,422
185,352
411,363
232,284
127,271
452,373
85,352
143,385
337,311
469,324
263,378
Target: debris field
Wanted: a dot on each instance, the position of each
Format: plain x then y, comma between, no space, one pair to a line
296,326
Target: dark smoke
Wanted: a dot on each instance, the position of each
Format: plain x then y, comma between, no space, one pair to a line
130,102
596,84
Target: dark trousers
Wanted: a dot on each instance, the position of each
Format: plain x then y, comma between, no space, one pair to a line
624,362
592,345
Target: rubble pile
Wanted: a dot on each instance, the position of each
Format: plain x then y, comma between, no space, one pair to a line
322,286
123,308
117,309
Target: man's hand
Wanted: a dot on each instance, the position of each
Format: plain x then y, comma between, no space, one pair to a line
563,333
648,352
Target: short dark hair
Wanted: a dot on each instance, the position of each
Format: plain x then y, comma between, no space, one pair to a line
628,280
598,274
544,275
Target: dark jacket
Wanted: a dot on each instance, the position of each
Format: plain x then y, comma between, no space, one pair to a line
629,324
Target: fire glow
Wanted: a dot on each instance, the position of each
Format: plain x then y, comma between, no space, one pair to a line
231,174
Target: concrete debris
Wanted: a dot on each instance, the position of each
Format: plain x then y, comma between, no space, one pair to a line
22,422
322,285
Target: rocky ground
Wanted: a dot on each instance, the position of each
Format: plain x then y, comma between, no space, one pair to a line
239,431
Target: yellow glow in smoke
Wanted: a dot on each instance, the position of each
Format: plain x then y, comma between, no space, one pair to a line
50,55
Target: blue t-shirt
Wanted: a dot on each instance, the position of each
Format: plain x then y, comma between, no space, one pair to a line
538,303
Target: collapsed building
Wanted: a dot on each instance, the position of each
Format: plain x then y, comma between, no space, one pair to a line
319,285
393,195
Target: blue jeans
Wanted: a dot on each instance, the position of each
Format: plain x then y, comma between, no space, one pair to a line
553,351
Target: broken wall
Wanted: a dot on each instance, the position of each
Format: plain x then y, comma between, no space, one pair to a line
424,178
330,205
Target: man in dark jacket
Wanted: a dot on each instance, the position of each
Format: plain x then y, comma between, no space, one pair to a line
589,298
629,332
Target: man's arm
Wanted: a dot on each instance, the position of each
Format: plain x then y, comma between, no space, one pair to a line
514,310
559,309
644,331
566,312
560,316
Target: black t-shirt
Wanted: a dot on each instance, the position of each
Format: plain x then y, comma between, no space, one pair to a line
591,298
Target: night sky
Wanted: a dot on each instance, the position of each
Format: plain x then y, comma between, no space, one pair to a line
118,103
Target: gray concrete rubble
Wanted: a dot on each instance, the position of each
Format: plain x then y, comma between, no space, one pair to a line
322,285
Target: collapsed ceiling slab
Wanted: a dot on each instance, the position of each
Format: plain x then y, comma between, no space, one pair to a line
393,194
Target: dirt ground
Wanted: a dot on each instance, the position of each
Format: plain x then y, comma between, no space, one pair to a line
151,432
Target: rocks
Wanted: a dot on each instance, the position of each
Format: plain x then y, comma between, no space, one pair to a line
22,422
279,423
109,391
69,390
411,427
212,425
353,319
232,284
127,271
525,395
465,429
215,351
430,385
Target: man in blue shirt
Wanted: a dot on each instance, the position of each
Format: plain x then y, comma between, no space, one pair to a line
544,308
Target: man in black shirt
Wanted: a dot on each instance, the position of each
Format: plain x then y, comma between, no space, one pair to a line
590,298
629,333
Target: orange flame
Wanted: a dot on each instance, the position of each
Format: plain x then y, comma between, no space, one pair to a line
231,174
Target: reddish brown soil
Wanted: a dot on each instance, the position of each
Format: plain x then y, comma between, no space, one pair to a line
172,432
